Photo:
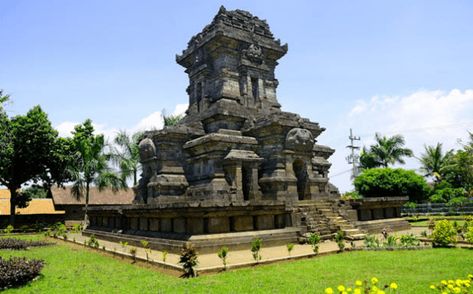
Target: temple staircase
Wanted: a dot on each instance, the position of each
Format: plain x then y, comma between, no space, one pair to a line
322,217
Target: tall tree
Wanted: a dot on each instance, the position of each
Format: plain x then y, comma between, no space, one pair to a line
386,151
90,165
28,148
126,155
434,161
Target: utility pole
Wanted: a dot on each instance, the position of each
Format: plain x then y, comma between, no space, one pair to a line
353,158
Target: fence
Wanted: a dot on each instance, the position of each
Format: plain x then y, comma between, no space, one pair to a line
437,209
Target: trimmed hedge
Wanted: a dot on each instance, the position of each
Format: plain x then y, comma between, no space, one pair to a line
19,244
384,182
18,271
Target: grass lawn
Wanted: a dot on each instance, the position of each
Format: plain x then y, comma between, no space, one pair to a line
77,270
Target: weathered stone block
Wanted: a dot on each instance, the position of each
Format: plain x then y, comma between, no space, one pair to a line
389,212
219,225
134,223
166,225
179,225
280,221
378,213
154,224
365,214
143,223
195,225
243,223
265,222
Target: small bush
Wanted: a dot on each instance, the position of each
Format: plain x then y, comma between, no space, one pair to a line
8,230
385,182
165,255
371,241
408,240
133,251
444,234
340,239
314,240
19,244
93,242
391,241
188,260
222,254
469,235
256,245
290,247
18,271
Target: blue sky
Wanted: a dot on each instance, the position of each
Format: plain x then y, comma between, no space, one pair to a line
387,66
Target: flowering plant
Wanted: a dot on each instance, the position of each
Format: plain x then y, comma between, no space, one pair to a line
364,287
454,286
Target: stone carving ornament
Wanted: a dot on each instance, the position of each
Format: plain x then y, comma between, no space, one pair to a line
254,53
299,139
147,149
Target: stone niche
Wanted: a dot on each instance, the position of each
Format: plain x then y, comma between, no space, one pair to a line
236,162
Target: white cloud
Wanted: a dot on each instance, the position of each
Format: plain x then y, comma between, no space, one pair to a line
149,122
423,117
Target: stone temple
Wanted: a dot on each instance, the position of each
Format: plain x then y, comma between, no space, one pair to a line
236,166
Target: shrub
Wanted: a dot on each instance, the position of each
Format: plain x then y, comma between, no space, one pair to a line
8,230
256,245
469,235
222,254
391,241
314,240
353,195
145,245
93,242
133,253
384,182
290,247
340,239
409,240
188,260
444,234
18,244
18,271
371,241
165,254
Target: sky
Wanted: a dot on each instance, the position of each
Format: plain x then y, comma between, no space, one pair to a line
393,67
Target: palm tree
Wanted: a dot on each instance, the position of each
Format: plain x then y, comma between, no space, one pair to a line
127,155
386,151
433,161
90,165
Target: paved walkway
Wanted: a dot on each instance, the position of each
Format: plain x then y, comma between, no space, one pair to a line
236,258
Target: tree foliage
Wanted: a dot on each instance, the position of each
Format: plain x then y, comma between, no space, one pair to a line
126,155
434,161
385,182
90,164
386,151
29,151
171,120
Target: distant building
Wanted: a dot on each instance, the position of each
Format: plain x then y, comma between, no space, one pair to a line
74,208
37,211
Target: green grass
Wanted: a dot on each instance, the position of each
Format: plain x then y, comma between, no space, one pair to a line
76,270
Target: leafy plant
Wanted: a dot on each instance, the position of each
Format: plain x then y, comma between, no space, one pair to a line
453,286
93,242
340,239
366,287
145,245
222,254
164,255
391,241
256,245
290,247
188,259
8,230
409,240
133,251
76,228
371,241
314,240
18,271
444,234
469,235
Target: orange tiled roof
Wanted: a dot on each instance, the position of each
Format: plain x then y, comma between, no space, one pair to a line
36,206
